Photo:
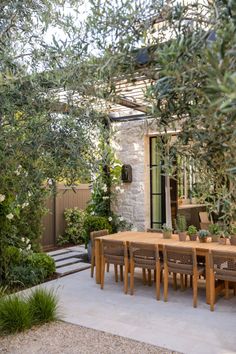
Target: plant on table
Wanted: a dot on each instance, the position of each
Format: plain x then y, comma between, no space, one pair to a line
181,225
167,231
214,230
232,232
192,232
202,235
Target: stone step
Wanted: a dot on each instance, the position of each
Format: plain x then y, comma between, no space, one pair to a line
66,255
58,252
67,261
73,268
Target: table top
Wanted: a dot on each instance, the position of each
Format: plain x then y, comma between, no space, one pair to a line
157,238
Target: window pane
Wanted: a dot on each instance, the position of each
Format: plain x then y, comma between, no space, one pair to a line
156,209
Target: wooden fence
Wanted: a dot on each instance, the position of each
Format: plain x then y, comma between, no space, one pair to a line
53,221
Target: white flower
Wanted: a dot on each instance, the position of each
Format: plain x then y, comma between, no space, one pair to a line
2,198
50,181
104,188
134,229
121,218
20,249
22,239
17,172
110,218
105,198
27,241
24,205
28,247
118,188
92,213
10,216
26,174
29,194
122,191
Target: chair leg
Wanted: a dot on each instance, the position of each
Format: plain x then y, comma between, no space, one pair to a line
108,267
144,277
116,273
158,280
131,278
195,288
102,272
121,273
166,273
174,281
126,275
186,281
234,289
191,281
226,289
149,277
212,290
182,282
161,275
92,264
155,276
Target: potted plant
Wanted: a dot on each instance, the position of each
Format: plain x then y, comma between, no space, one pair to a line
214,230
192,232
167,231
202,235
233,235
181,227
222,239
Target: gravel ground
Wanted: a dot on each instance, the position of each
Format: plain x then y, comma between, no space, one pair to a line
65,338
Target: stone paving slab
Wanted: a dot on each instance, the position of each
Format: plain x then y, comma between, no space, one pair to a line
66,255
67,261
72,268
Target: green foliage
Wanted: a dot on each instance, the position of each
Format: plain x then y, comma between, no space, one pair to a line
14,315
42,261
214,229
181,223
43,306
166,228
202,234
74,227
95,223
18,314
25,275
192,230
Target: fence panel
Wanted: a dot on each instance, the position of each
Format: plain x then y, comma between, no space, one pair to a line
54,223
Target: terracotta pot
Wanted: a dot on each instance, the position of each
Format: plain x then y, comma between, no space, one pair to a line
167,234
193,237
202,239
233,240
214,238
222,240
182,236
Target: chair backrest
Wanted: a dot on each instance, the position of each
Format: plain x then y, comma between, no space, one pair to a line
95,234
113,249
224,264
204,218
180,258
138,250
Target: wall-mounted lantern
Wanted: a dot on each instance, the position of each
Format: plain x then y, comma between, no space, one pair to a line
126,173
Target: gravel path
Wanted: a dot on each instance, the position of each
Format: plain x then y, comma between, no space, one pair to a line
65,338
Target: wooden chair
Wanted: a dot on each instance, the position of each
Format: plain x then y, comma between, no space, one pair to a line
145,256
115,252
93,236
204,220
222,268
183,261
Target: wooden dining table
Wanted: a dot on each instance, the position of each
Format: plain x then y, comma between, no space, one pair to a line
202,248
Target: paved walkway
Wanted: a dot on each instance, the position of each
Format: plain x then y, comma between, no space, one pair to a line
175,325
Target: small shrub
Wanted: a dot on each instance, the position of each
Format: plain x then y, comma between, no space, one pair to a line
181,223
95,223
12,256
14,315
43,262
74,227
26,275
43,305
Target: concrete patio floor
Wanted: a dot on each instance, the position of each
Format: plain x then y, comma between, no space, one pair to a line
174,325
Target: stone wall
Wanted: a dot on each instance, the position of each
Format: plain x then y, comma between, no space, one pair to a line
129,145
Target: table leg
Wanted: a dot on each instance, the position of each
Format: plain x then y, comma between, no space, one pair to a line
98,261
208,290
